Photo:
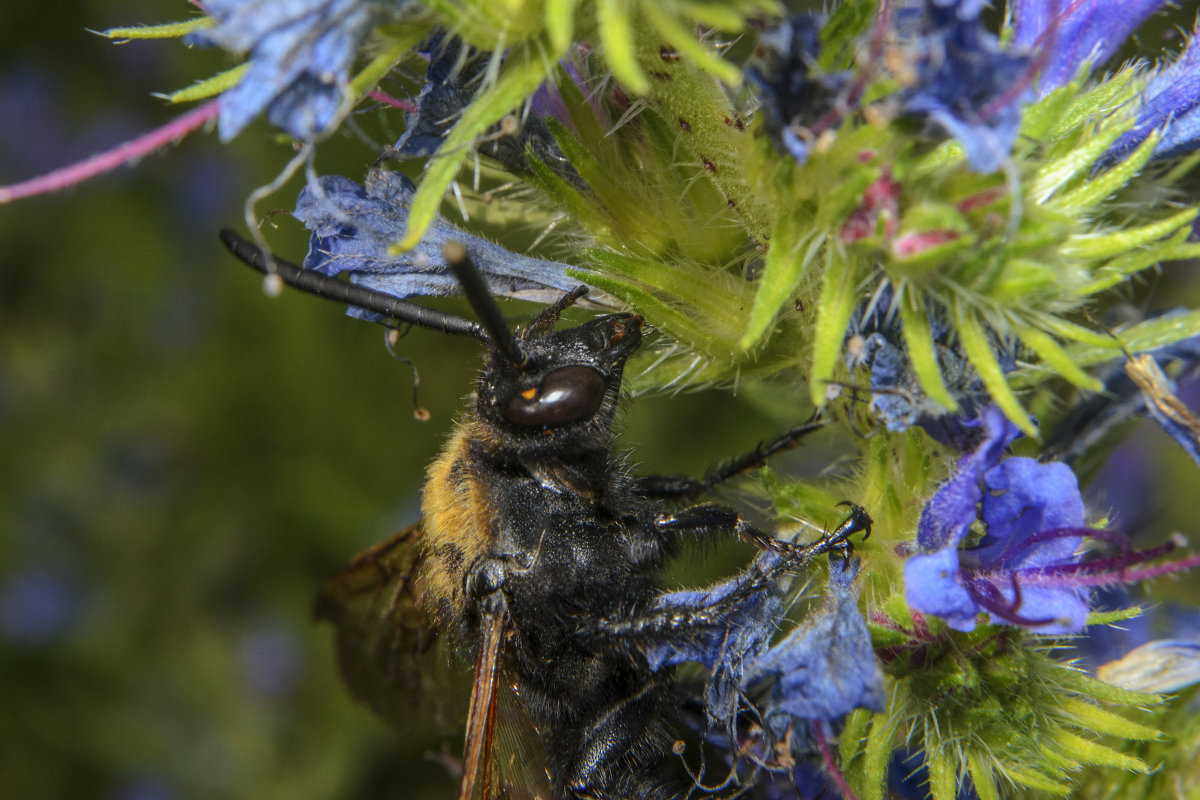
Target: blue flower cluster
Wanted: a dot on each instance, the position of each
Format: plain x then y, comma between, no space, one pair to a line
300,55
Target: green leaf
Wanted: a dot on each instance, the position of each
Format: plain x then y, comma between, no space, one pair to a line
560,23
689,46
1091,752
918,341
854,735
1128,264
1057,359
943,773
839,293
1139,338
210,87
1097,187
1088,686
1109,244
616,35
781,274
1092,717
1030,777
168,30
979,350
878,755
1058,172
982,776
397,47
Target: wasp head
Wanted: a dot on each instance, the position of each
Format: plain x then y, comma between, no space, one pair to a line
563,397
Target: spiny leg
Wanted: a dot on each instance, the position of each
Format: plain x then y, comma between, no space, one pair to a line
762,574
673,487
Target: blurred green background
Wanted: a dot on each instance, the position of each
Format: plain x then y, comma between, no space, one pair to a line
183,461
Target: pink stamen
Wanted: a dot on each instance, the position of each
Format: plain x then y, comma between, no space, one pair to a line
1101,566
111,159
827,756
388,100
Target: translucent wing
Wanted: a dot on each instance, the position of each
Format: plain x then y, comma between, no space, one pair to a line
478,758
390,655
394,660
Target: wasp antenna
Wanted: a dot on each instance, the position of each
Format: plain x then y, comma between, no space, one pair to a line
480,297
315,283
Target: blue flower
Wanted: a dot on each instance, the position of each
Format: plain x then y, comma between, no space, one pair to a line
300,54
824,668
796,99
965,82
1066,33
1033,518
725,649
876,345
1171,102
455,73
353,226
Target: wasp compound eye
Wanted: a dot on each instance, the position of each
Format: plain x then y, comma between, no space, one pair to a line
567,394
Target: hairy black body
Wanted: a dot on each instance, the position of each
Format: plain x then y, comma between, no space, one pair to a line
538,553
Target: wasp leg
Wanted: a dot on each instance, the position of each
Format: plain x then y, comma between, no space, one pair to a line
760,577
709,518
673,487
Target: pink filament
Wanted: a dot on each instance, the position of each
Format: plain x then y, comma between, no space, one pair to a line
120,155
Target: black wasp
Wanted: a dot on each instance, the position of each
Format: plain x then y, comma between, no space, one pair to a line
537,555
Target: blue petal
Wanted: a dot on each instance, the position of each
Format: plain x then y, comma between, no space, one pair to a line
1025,498
1171,102
966,83
353,226
725,648
741,633
825,668
949,514
1070,33
931,586
300,51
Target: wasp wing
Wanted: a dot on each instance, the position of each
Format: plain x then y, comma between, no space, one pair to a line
394,660
478,756
391,656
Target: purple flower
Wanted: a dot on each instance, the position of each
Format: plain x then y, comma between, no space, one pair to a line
300,54
1066,33
1033,518
353,226
965,82
722,650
